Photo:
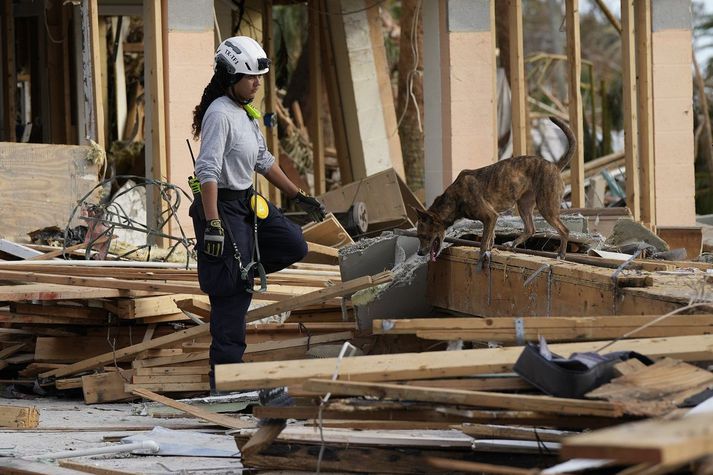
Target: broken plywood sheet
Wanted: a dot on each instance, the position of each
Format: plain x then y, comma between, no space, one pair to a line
40,185
657,389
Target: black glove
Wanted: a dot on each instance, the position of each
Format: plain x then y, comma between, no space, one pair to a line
314,209
213,238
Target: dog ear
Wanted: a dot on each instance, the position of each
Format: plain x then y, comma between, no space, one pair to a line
422,215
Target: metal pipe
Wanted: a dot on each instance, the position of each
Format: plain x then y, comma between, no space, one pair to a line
150,445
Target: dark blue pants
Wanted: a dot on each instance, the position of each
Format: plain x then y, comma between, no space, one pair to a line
281,244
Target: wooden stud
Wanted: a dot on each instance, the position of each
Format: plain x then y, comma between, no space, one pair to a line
645,95
631,129
520,127
91,59
156,143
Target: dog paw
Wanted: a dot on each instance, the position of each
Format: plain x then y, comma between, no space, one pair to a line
485,256
509,244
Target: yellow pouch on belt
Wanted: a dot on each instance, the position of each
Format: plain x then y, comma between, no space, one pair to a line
259,206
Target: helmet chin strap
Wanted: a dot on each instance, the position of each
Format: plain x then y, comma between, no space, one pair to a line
252,112
237,99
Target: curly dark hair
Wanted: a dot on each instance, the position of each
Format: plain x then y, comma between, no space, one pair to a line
217,87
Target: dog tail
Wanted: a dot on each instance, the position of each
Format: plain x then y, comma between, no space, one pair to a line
571,139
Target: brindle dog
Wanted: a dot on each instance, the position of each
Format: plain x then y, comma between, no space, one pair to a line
484,193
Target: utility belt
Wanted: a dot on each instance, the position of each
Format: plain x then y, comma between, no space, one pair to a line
225,194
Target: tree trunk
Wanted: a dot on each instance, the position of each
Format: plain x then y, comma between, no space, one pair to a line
410,91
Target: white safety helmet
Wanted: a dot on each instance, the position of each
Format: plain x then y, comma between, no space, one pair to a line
242,55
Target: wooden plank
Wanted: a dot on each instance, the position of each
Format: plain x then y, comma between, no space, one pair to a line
321,254
393,411
645,113
17,318
167,371
623,322
219,419
574,58
19,417
436,364
66,311
650,441
68,383
61,251
491,431
265,435
300,458
192,357
66,350
169,387
344,288
106,387
329,232
11,350
91,64
631,129
151,306
436,439
503,329
88,467
155,129
52,292
547,404
108,283
456,466
17,466
106,269
179,378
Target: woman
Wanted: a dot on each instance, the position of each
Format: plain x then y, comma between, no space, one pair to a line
232,150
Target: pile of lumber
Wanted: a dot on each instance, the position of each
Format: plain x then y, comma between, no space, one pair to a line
143,333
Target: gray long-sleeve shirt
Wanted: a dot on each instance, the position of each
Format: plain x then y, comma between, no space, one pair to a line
232,146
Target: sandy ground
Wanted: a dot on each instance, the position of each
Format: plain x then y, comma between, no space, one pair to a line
72,425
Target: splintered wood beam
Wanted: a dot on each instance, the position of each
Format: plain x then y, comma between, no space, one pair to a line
436,364
219,419
546,404
345,288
